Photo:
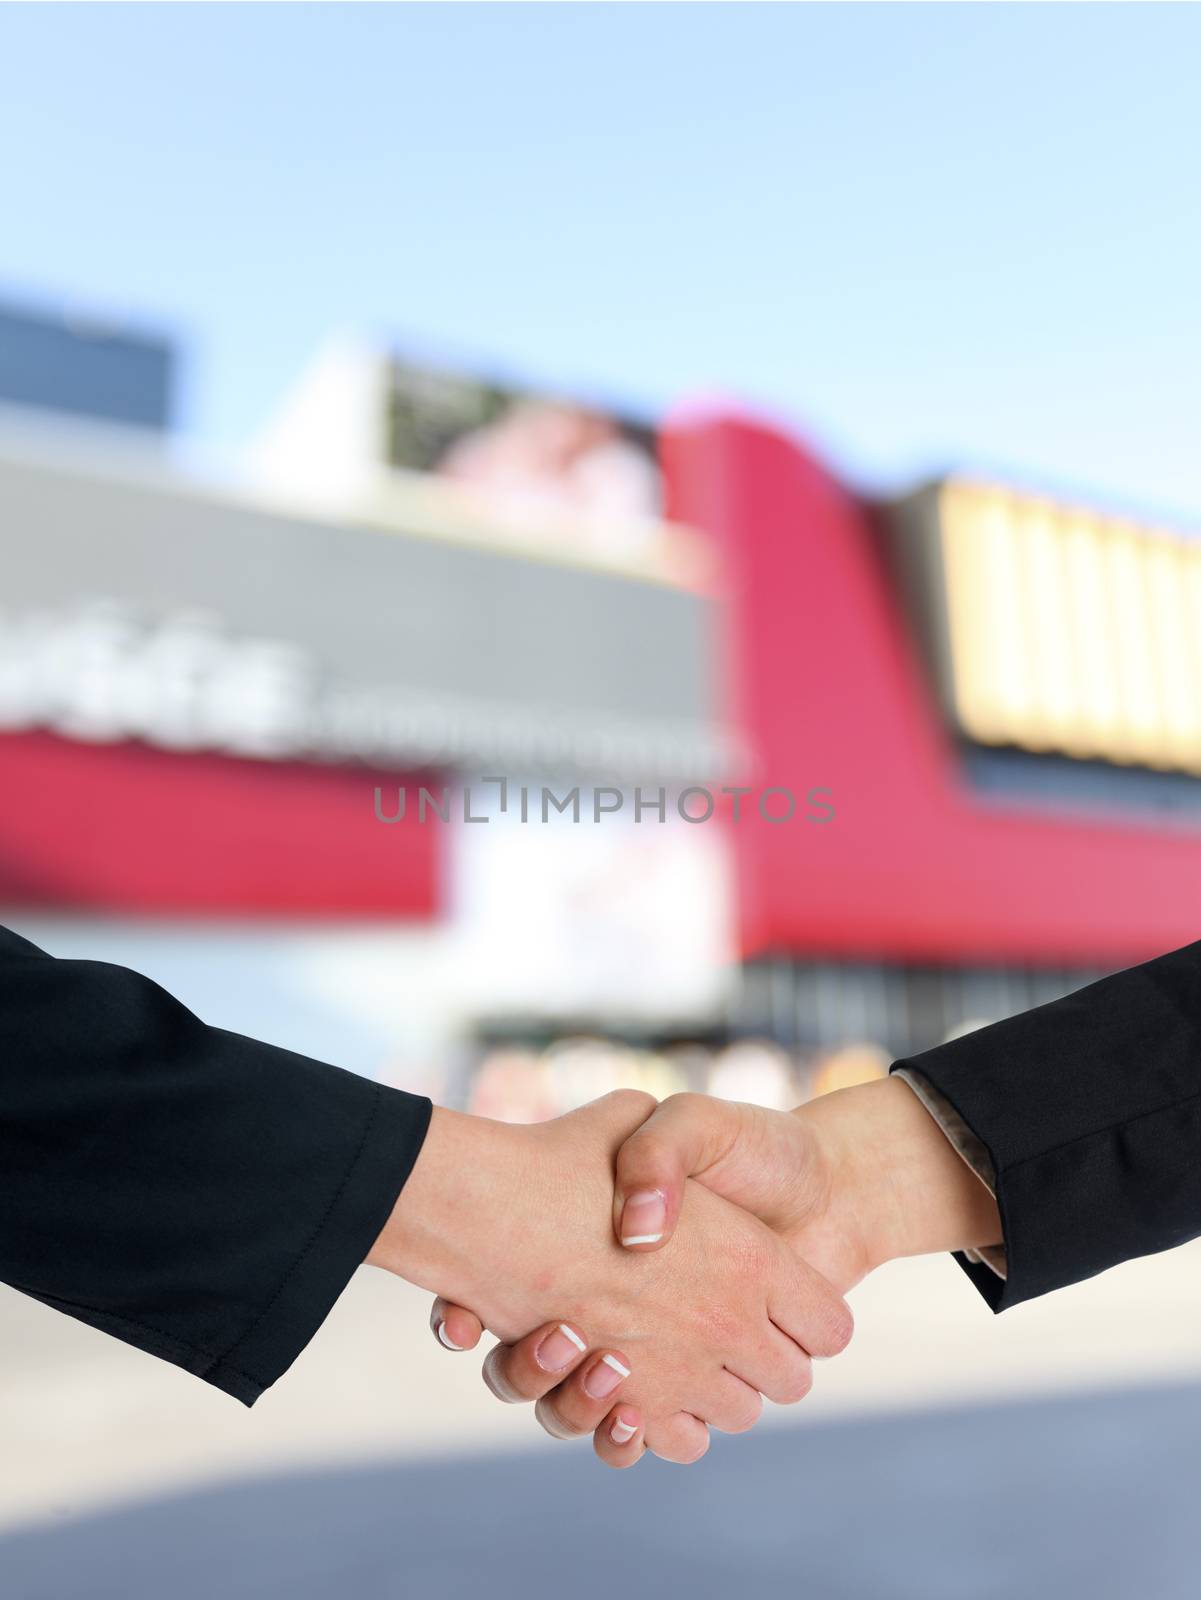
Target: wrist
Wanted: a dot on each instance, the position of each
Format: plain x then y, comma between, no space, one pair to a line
898,1185
513,1220
454,1201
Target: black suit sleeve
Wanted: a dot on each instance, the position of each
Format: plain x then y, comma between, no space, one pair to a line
1090,1109
198,1194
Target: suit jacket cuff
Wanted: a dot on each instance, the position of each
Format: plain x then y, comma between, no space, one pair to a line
394,1126
1089,1110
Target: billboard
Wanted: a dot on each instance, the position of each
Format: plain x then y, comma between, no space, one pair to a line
534,451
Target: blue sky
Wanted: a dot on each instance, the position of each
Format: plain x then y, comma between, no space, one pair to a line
929,235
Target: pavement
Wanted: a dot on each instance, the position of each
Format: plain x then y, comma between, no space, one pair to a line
1090,1497
1052,1450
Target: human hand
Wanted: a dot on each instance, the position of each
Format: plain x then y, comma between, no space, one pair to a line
570,1381
850,1180
514,1221
771,1163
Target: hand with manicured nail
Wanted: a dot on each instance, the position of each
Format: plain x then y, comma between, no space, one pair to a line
515,1222
768,1162
574,1388
849,1180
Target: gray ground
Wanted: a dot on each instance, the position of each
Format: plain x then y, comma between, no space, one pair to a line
1090,1496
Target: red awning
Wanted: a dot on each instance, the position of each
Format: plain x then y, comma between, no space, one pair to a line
128,828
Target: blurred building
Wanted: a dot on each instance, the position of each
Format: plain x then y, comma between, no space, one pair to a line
1003,694
306,724
85,367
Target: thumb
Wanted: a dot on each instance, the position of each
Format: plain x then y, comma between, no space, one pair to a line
682,1137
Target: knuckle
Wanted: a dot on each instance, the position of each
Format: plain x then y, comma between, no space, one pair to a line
634,1102
745,1416
844,1328
800,1384
681,1441
837,1329
687,1103
797,1384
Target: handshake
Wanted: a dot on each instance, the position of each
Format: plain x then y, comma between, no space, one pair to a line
653,1271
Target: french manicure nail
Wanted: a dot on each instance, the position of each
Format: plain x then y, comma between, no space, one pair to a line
444,1338
604,1377
621,1432
561,1345
644,1217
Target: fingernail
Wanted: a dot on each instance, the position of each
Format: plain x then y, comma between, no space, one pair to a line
622,1432
444,1338
604,1377
644,1217
561,1345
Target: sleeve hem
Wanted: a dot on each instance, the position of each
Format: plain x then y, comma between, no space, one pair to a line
393,1134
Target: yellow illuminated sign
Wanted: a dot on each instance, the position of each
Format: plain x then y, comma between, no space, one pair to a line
1070,631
